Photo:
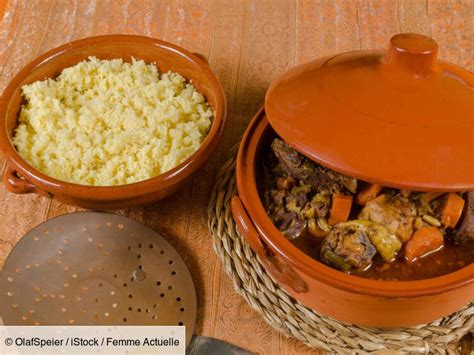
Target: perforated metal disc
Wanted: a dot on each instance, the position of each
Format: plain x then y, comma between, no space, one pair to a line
92,268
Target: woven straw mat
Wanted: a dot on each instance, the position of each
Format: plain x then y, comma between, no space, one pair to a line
294,319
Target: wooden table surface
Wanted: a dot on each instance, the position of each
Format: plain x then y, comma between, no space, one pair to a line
248,43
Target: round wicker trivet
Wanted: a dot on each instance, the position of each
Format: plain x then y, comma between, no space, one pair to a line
293,319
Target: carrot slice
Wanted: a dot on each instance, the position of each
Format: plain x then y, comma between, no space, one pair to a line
368,193
430,196
340,208
452,210
424,241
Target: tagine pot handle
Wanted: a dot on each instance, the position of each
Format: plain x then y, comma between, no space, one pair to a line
16,184
19,185
280,270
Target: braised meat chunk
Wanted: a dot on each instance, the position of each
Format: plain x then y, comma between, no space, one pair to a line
288,223
304,169
386,243
396,212
292,162
347,247
465,232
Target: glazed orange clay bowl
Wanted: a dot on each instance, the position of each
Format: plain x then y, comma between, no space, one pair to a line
328,291
22,178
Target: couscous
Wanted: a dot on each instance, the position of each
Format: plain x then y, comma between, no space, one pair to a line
109,122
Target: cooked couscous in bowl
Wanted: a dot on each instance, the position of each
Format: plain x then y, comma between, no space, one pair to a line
109,122
110,143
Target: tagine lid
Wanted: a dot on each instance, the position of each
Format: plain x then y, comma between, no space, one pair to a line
400,118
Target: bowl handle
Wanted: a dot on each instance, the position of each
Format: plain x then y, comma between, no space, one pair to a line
19,185
278,268
202,57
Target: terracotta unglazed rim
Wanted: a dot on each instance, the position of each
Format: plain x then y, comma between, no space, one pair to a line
248,193
117,192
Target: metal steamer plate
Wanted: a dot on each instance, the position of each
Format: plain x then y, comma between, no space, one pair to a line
92,268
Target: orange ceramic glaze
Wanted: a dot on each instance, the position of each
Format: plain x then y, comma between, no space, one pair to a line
399,118
20,177
328,291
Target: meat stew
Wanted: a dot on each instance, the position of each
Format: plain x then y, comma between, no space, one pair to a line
366,229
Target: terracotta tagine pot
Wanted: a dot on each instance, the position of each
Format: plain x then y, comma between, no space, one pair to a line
400,118
22,178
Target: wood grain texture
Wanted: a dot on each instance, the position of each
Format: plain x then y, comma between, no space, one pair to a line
248,44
